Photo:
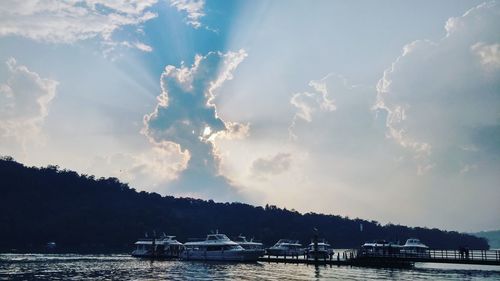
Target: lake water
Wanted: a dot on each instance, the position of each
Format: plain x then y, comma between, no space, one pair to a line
124,267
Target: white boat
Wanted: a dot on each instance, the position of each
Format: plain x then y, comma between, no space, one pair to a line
380,248
286,247
218,247
323,251
163,247
249,244
413,247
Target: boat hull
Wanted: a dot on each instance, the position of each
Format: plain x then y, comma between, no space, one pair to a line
149,254
321,255
283,252
160,254
240,255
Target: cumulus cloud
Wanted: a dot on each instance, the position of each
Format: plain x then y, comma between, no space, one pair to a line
67,22
186,116
347,140
438,104
443,96
489,54
25,98
307,103
193,10
273,165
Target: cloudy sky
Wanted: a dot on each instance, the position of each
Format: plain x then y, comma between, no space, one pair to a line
384,110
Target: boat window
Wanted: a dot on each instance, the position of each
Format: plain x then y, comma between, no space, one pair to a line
214,248
222,237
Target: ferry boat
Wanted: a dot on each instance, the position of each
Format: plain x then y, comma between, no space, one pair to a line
286,247
323,251
413,247
218,247
163,247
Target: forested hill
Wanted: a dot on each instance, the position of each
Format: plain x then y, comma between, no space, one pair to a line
82,213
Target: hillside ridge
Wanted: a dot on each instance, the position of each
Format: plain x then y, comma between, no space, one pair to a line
84,213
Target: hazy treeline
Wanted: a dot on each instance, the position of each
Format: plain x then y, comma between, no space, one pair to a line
83,213
493,237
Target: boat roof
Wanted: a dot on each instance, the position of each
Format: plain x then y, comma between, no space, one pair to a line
163,240
243,240
158,242
289,242
414,242
249,243
214,239
380,243
320,244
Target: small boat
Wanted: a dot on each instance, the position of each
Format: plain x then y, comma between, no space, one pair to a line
51,246
286,247
218,247
414,248
163,247
322,251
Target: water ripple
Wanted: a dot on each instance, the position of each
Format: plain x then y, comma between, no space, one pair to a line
124,267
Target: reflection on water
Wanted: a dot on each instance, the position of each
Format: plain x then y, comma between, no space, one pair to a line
123,267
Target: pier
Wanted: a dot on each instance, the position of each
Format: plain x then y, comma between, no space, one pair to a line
359,258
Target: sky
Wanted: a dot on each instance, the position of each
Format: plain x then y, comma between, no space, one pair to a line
382,110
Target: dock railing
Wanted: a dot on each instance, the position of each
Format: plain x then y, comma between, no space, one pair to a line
479,255
362,256
430,255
